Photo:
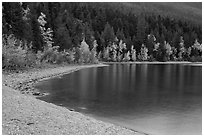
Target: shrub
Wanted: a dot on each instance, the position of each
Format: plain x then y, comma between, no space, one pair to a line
31,59
60,58
49,55
70,56
14,56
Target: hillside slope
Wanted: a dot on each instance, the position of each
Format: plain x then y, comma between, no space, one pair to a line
191,11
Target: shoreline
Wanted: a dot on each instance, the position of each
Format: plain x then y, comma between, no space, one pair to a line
25,81
24,114
156,62
20,83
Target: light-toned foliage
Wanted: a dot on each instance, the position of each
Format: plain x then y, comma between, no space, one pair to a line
133,53
15,54
126,56
143,53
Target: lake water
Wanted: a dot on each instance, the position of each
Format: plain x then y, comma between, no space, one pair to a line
149,98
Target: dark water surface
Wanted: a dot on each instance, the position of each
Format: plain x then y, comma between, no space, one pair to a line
154,99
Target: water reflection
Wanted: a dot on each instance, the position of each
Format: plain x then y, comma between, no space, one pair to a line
157,99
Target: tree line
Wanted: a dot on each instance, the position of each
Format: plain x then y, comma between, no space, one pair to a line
71,23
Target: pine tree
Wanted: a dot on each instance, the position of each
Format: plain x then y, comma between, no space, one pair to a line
62,33
176,40
141,28
108,34
128,42
89,35
151,39
37,38
120,35
13,14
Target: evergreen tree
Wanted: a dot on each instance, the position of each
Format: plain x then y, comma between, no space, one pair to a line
37,39
13,19
128,42
108,34
89,35
141,28
151,39
120,35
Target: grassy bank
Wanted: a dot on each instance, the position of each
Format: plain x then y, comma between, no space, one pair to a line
24,114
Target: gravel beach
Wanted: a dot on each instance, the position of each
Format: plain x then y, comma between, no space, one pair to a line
26,115
24,81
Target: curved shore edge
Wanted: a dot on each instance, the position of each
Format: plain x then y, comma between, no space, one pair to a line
26,115
157,62
25,81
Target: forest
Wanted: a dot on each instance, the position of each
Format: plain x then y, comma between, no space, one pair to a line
56,33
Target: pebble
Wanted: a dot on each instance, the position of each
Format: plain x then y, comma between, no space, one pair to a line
36,93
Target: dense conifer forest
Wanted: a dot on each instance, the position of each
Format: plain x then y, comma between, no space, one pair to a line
91,32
